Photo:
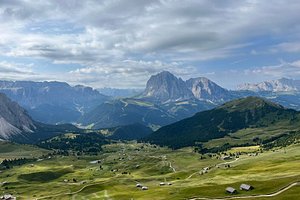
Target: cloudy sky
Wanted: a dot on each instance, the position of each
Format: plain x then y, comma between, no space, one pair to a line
115,43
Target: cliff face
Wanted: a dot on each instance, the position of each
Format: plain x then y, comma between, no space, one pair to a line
13,119
280,85
52,102
205,89
164,87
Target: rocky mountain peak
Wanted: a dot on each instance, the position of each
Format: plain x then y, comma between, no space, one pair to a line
164,86
279,85
205,89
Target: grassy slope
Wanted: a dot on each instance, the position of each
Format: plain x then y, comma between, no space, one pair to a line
10,150
235,122
127,111
246,135
267,172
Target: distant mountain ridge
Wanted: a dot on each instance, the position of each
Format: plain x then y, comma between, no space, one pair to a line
121,112
17,125
176,99
164,87
120,93
52,102
166,99
280,85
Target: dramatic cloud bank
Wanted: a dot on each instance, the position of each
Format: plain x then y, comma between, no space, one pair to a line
120,43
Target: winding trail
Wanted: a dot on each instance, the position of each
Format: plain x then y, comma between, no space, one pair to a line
174,170
190,176
70,193
218,165
289,186
226,163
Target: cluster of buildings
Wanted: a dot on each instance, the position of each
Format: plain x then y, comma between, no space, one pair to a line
243,186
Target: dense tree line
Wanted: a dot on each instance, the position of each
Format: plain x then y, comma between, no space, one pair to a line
10,163
90,143
283,140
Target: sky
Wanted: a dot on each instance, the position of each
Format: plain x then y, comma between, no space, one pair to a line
121,43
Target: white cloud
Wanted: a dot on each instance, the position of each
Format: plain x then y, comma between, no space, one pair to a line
124,27
15,68
293,47
100,35
128,73
284,69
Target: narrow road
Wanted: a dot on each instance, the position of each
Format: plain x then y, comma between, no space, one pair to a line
252,196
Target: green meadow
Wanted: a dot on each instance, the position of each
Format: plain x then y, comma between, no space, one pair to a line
114,173
14,151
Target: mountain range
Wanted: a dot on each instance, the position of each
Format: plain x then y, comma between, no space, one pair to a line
17,125
165,87
52,102
280,85
283,91
122,112
165,100
247,115
120,93
181,113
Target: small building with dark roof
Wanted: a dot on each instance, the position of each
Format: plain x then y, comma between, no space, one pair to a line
144,188
226,158
231,190
246,187
139,185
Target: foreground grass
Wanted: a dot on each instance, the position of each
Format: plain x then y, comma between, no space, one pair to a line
124,165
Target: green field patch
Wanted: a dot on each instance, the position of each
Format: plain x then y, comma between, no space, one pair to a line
218,190
9,150
149,165
44,176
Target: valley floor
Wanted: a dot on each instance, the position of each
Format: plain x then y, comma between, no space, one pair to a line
114,174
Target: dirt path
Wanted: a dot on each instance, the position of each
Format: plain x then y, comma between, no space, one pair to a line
106,196
174,170
226,163
252,196
70,193
190,176
218,165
